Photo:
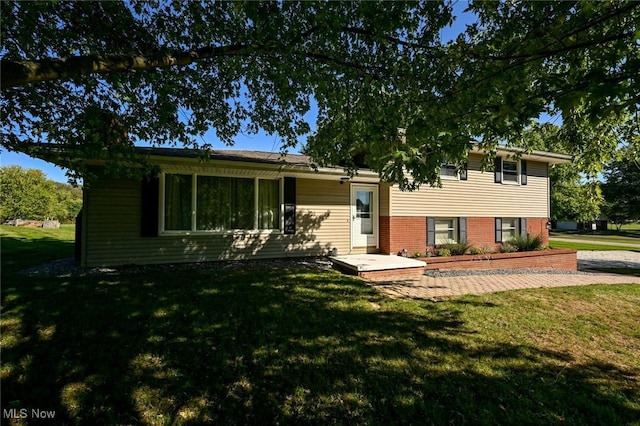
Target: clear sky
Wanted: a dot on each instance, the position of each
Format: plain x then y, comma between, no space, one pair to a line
258,142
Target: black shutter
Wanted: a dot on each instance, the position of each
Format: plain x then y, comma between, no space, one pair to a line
498,170
523,172
431,231
498,229
462,229
463,171
289,205
150,196
523,226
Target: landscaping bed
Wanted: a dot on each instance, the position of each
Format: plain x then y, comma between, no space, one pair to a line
563,259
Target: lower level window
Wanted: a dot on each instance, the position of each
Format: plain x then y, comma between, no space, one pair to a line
510,228
217,203
446,231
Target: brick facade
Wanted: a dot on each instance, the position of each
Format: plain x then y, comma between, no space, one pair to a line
410,233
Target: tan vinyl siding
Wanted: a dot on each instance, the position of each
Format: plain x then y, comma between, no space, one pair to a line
113,212
385,199
478,196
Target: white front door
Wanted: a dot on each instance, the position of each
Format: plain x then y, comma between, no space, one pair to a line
364,215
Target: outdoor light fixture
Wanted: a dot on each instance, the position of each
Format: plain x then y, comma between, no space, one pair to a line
344,179
548,224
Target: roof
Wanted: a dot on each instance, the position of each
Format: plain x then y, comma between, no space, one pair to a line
50,152
231,155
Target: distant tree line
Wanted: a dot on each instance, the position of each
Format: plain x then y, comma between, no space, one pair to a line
28,194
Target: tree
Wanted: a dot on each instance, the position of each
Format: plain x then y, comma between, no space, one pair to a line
28,194
575,193
621,191
166,72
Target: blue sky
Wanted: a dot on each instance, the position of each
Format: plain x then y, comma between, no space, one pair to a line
258,142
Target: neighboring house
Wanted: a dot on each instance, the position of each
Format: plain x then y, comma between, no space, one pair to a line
243,204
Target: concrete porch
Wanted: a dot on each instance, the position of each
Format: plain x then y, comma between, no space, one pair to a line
376,266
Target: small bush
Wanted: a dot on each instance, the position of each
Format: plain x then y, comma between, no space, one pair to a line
444,252
508,248
480,250
456,249
526,242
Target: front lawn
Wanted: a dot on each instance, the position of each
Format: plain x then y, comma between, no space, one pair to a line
265,347
577,245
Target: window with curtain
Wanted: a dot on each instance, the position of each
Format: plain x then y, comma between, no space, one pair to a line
177,202
221,203
268,204
225,203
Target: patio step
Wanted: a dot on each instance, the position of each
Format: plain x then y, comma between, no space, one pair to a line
377,266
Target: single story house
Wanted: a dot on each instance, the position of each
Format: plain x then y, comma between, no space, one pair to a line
247,204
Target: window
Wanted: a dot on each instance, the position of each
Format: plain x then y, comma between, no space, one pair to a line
217,203
448,171
177,202
224,203
510,228
510,171
268,204
446,230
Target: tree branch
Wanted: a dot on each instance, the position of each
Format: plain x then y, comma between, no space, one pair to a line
20,73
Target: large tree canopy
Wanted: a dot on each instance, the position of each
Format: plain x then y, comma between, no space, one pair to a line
98,77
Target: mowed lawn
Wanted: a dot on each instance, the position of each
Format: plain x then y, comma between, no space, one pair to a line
298,347
604,240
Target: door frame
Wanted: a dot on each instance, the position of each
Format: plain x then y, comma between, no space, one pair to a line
376,212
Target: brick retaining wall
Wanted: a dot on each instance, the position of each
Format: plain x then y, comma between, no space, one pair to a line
563,259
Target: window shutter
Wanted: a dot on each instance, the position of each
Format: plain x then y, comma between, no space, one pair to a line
462,229
523,172
150,196
498,170
431,231
289,205
523,226
498,229
463,171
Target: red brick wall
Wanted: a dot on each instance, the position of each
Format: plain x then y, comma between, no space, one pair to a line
385,236
538,226
410,233
546,259
481,232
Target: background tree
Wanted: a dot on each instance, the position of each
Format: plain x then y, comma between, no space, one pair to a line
28,194
166,72
622,191
575,195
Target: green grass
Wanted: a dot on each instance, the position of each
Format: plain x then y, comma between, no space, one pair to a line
629,234
291,347
584,246
21,247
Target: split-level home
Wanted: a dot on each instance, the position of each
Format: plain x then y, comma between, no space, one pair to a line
247,205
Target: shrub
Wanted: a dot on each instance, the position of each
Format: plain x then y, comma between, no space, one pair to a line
456,249
444,252
526,242
508,248
477,250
